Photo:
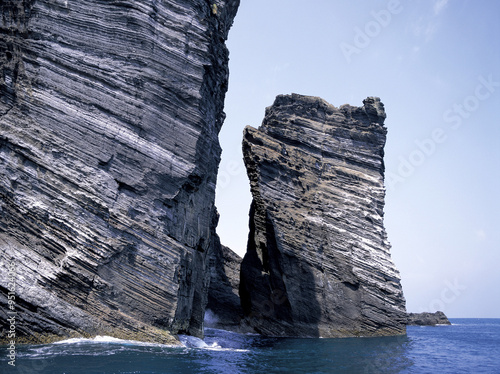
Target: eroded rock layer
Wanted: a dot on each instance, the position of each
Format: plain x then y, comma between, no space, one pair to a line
109,121
318,261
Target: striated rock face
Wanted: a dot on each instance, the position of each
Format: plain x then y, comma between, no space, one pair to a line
109,121
318,261
428,319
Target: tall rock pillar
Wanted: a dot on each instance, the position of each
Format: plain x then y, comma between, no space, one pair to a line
318,261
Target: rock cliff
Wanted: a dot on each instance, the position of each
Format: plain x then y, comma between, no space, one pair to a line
318,261
109,121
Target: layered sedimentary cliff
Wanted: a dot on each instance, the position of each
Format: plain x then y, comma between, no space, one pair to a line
109,121
318,261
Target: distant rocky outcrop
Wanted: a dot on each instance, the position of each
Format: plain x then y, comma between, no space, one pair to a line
318,261
428,319
109,120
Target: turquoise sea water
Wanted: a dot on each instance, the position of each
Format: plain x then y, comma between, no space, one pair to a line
468,346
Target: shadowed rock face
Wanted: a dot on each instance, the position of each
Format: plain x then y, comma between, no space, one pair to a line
224,306
109,121
318,261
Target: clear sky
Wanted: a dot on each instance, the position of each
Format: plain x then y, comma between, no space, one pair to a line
435,65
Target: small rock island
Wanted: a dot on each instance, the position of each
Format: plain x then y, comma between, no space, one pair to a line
428,319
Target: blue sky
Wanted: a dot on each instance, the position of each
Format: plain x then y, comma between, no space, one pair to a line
436,67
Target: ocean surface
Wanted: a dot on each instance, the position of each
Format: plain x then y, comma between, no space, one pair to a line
468,346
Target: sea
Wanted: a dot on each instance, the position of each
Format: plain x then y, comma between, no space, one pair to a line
467,346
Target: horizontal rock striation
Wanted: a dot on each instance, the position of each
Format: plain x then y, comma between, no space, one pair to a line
109,121
318,261
428,319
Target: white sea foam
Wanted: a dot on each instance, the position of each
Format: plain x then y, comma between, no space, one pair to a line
192,342
74,341
218,340
111,340
218,343
220,349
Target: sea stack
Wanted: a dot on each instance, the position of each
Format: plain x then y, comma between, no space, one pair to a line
109,120
318,261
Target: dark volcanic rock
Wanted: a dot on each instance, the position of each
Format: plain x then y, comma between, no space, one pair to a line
318,261
109,121
224,308
428,319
